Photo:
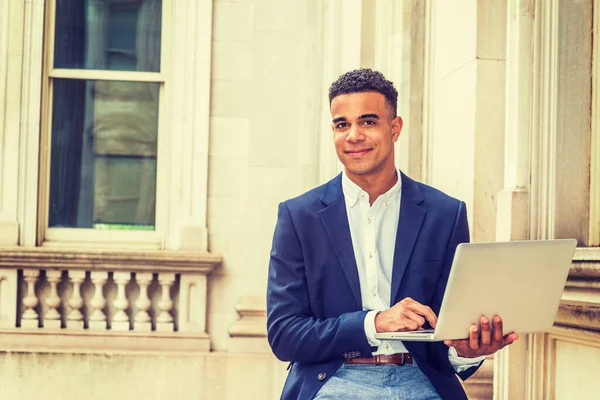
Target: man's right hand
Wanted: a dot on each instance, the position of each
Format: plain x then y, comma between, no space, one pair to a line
406,315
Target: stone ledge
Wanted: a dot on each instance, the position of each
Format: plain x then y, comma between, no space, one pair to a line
249,333
587,254
586,267
150,261
585,317
90,342
574,333
253,318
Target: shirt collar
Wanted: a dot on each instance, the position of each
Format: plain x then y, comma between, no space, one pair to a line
353,192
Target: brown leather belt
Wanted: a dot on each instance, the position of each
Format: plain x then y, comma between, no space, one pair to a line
398,359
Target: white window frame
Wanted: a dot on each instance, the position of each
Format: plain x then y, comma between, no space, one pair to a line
48,235
182,160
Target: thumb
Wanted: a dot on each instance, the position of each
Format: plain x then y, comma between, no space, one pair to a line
449,343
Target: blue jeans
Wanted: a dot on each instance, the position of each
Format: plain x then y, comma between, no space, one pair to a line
363,382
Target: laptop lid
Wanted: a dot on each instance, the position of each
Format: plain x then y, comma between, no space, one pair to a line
522,281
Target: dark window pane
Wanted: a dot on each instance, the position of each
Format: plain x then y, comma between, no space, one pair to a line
121,35
103,156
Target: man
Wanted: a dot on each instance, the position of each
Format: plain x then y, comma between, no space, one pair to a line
370,251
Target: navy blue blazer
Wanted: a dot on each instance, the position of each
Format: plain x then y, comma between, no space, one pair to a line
315,316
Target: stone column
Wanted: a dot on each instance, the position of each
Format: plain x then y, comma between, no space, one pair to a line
512,221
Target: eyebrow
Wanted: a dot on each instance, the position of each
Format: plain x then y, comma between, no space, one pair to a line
363,116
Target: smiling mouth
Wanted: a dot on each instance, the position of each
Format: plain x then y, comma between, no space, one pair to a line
357,153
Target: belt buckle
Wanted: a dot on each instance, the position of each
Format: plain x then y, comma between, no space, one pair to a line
377,360
402,360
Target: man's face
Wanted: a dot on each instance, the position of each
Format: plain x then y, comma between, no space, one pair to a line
364,133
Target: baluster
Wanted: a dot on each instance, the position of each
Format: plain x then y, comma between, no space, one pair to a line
75,317
52,316
29,319
164,322
120,320
98,318
143,322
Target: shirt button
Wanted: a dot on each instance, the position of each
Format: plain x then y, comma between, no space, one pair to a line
322,376
368,220
370,255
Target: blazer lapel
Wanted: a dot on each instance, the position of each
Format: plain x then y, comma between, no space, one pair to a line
335,220
409,225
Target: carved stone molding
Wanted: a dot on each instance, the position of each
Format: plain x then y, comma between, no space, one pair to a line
188,104
580,306
61,341
249,333
151,261
253,318
584,317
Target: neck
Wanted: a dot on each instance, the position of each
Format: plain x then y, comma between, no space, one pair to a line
375,184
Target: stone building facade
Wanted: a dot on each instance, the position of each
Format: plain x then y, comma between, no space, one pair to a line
145,145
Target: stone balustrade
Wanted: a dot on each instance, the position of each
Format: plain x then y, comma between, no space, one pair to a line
66,306
79,298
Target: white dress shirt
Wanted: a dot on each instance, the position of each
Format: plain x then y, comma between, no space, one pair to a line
373,231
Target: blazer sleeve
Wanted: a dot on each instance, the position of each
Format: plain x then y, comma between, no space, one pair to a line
294,333
460,234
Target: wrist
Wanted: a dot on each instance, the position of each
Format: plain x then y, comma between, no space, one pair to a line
453,352
377,322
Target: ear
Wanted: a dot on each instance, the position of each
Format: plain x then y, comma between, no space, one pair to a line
397,124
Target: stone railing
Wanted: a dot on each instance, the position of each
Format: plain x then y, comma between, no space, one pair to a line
110,301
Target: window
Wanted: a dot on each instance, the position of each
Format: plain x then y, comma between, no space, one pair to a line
102,108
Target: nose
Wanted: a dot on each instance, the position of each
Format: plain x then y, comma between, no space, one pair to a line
355,134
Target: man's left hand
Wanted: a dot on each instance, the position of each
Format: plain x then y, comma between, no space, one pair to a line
485,342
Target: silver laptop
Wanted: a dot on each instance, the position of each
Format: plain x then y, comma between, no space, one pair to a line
520,281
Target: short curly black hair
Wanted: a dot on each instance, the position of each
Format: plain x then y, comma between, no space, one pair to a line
365,80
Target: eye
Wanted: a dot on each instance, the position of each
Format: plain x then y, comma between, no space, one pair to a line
369,122
341,125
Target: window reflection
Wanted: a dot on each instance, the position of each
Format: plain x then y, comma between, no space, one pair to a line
121,35
103,155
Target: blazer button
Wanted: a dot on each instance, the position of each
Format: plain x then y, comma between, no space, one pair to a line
322,376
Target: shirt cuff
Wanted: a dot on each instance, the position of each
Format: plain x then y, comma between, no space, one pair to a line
370,330
461,364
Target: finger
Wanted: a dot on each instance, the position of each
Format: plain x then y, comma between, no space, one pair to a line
510,338
425,311
485,331
474,338
411,320
498,329
463,343
408,313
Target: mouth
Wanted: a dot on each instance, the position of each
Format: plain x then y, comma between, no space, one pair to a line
355,153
